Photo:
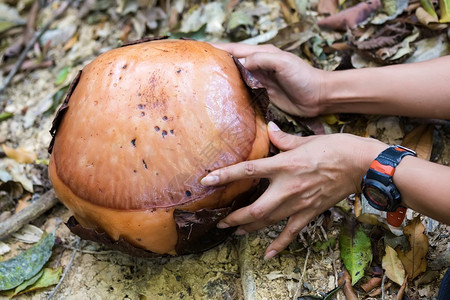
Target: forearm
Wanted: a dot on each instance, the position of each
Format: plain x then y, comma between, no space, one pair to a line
416,90
425,187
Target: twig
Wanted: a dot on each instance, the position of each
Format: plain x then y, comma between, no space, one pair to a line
382,286
29,213
300,282
30,44
77,246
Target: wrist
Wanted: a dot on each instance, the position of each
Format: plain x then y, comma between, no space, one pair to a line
349,91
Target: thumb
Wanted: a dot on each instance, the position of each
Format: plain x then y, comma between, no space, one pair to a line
283,140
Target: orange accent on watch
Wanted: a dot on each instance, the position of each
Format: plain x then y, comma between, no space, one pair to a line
395,218
384,169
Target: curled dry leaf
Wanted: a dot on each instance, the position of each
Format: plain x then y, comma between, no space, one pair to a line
346,280
370,284
350,17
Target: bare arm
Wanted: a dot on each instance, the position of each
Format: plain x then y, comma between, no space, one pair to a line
416,90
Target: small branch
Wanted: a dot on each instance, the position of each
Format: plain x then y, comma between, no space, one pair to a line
300,282
28,214
77,247
30,44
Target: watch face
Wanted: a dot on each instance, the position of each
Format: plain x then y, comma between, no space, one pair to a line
374,194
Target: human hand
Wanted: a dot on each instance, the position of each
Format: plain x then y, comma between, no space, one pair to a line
310,175
293,85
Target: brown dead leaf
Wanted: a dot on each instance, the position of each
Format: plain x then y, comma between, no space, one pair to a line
370,284
379,290
22,203
420,139
401,291
20,155
414,260
344,278
350,17
393,266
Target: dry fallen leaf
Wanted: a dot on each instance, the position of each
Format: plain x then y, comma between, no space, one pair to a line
414,260
420,139
20,155
350,17
393,266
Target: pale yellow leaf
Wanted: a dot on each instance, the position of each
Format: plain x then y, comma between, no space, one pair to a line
393,266
20,155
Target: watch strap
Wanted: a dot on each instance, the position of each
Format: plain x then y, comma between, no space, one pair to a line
395,218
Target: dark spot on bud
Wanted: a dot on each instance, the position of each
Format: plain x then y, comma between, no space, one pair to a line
142,113
144,163
171,131
188,193
133,142
140,106
164,133
134,171
124,66
139,94
156,128
138,239
164,118
179,71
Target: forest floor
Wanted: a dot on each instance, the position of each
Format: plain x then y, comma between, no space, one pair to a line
312,265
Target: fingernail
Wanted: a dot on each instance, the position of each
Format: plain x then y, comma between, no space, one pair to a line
240,231
273,126
270,254
222,225
210,180
242,60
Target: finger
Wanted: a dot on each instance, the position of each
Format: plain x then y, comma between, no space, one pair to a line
283,140
259,168
293,227
242,50
259,213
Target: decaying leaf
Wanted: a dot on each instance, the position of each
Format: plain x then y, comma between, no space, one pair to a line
48,278
355,247
350,17
370,284
420,139
20,155
414,260
393,266
27,264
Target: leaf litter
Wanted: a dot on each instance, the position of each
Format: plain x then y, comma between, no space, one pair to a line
396,32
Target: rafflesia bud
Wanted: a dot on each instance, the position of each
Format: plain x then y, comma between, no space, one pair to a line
141,125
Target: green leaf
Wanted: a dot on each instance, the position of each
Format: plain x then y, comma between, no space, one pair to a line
56,100
199,35
323,245
62,75
428,6
5,116
24,285
49,277
444,5
27,264
356,251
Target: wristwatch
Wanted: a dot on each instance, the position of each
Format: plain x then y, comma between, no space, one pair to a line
378,186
